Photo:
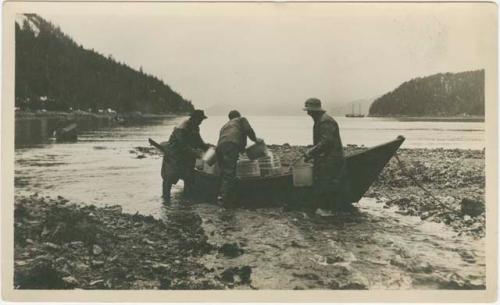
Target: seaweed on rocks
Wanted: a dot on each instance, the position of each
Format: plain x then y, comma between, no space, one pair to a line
61,245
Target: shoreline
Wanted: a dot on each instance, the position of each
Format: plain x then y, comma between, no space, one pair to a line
88,247
453,178
31,114
432,118
38,127
65,114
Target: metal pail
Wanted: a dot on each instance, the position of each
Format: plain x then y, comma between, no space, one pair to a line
302,175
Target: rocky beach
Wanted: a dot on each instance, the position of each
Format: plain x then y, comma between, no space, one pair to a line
437,185
66,245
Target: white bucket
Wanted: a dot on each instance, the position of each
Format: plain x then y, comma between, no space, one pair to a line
302,175
209,156
211,169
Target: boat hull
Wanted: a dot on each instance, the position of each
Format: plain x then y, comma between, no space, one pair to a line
67,134
361,171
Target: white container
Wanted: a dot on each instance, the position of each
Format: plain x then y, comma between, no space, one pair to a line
209,157
211,169
302,175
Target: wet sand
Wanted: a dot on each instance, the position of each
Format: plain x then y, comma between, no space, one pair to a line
398,238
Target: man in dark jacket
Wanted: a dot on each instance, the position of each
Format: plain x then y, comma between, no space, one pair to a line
183,147
232,140
328,157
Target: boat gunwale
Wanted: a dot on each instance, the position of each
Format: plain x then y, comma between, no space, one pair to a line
260,178
364,151
399,138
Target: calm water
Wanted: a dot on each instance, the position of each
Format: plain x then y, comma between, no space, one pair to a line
297,130
100,167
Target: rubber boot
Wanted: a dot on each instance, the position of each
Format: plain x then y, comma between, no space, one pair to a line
166,191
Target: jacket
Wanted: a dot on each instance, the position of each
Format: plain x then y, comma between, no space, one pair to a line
236,131
181,151
326,139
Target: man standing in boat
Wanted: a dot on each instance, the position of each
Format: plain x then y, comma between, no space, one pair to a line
328,157
181,152
232,140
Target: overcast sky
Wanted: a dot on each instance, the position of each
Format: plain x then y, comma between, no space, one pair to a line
253,54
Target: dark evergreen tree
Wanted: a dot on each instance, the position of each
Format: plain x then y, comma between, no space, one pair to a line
448,94
55,73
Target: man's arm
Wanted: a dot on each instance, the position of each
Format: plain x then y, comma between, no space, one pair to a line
199,141
248,129
181,139
326,139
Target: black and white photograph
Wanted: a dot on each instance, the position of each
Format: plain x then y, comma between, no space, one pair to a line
251,147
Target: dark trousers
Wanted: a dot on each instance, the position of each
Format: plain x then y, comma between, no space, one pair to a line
227,158
174,169
328,189
167,186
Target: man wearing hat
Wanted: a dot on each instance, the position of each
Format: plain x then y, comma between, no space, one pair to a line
232,141
327,155
182,149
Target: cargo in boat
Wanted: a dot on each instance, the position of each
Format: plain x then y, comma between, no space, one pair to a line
362,169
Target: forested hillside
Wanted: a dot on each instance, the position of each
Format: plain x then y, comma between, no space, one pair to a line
448,94
53,72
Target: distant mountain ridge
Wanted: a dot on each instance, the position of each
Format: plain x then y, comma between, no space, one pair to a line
53,72
281,109
443,94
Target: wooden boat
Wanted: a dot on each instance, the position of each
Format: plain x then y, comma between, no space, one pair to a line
68,133
362,169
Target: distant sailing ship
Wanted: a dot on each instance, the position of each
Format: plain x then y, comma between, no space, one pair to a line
354,115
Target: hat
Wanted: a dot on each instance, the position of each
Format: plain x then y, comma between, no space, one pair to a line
197,113
313,104
234,114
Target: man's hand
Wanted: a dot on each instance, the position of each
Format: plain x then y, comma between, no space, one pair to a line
199,153
307,156
259,140
209,145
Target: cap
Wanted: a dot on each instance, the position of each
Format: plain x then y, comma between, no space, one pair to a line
313,104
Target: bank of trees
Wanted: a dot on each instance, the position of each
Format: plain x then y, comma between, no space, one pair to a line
55,73
449,94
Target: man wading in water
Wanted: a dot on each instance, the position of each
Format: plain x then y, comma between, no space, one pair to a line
232,140
328,158
181,152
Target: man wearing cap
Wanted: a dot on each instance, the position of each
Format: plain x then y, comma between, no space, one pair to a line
181,152
327,155
232,140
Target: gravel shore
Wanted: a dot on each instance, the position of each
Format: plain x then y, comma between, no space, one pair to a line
439,185
453,184
62,245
